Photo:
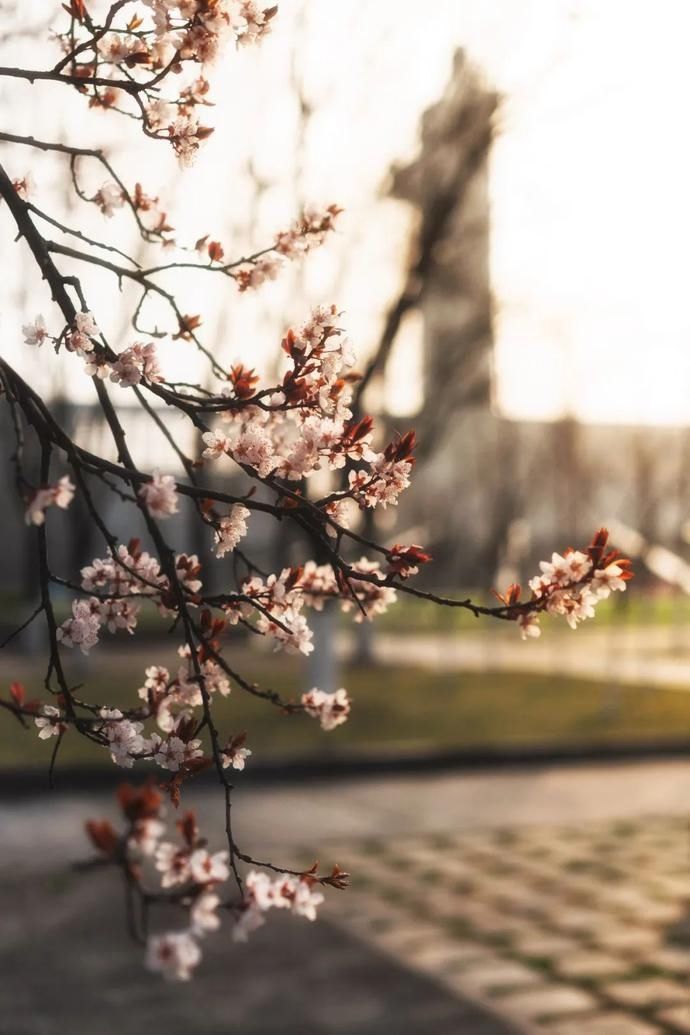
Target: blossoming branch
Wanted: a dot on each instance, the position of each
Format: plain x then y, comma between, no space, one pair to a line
148,60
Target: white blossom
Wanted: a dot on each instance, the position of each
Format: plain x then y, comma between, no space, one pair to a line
109,198
203,913
207,868
48,722
173,864
35,333
330,709
235,756
231,529
528,624
216,444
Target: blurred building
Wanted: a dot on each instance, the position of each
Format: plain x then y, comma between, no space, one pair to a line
492,493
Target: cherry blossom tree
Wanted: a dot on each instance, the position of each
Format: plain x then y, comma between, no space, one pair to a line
146,61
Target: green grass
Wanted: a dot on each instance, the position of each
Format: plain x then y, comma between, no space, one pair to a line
632,608
394,709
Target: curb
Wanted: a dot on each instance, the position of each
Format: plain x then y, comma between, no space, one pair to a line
20,782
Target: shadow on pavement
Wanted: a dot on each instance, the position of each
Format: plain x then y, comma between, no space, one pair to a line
68,966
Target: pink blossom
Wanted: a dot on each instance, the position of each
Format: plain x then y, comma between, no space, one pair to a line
124,737
60,495
174,955
160,495
174,752
203,913
254,448
137,362
82,629
207,868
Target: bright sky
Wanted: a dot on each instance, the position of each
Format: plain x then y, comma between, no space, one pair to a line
589,175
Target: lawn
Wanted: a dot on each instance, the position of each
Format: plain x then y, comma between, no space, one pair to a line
394,709
662,608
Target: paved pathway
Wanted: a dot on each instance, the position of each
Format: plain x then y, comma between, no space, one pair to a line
553,897
578,930
68,967
628,656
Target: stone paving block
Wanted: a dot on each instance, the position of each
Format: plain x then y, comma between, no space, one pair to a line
542,944
442,957
406,929
576,921
647,992
485,921
547,1002
602,1024
494,977
659,914
675,888
678,1016
586,964
671,958
629,939
404,943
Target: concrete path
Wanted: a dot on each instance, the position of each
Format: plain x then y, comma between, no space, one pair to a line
627,656
303,817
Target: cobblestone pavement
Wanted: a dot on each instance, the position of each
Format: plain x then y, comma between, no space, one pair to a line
562,931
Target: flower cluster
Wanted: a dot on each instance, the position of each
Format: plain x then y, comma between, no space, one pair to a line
136,362
570,585
309,231
80,338
129,572
285,891
123,736
82,629
330,709
231,529
138,54
192,877
307,424
172,698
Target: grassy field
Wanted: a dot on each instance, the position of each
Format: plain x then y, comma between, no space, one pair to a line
395,709
638,609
